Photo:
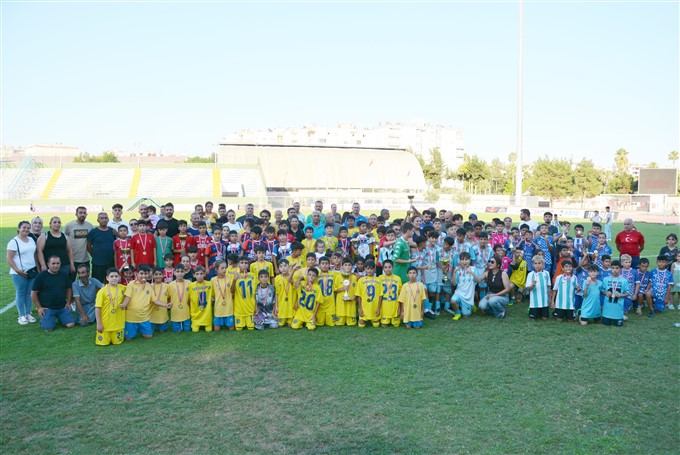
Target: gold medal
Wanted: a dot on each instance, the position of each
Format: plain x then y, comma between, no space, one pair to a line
113,310
224,303
144,253
181,306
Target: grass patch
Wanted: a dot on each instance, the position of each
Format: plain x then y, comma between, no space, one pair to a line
473,386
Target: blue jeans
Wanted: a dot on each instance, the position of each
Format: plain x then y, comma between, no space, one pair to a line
495,304
22,298
49,320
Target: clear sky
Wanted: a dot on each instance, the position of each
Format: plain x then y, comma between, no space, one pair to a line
175,77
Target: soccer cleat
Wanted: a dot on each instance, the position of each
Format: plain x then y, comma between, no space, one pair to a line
430,315
457,316
511,302
651,314
22,320
474,308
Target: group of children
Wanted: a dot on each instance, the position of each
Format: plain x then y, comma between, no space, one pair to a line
263,277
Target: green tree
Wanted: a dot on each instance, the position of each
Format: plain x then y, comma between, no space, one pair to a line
432,195
673,156
620,184
509,187
551,178
587,182
436,168
498,176
621,160
653,165
461,197
106,157
473,171
201,159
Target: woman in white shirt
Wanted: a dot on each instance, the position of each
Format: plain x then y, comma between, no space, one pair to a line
21,257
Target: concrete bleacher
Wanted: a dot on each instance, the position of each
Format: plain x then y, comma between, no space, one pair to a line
176,182
7,176
41,177
243,182
92,183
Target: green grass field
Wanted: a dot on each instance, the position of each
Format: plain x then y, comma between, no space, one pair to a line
476,386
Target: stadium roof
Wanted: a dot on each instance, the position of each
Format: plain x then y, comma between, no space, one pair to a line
303,167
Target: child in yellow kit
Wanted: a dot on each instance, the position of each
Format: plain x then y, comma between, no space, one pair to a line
307,304
368,297
180,308
389,299
344,287
110,318
160,301
261,264
223,310
243,292
411,299
285,294
200,299
326,280
137,305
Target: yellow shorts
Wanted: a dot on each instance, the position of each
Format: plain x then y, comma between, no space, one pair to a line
245,321
375,322
284,321
396,322
298,323
109,337
325,318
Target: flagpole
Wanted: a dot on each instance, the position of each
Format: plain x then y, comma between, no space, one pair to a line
518,161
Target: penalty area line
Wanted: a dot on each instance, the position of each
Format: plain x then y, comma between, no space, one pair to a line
7,307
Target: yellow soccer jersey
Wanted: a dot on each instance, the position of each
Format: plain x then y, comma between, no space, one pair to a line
308,246
308,301
139,307
244,295
109,300
368,289
331,242
326,282
391,286
345,307
255,268
351,232
285,295
519,275
300,260
224,305
411,297
200,298
179,297
159,314
232,272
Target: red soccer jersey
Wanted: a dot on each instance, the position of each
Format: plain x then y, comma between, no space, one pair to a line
202,243
121,252
630,242
181,243
144,248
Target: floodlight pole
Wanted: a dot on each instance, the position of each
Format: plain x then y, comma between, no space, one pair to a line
518,161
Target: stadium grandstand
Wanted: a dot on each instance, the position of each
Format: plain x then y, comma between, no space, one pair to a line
265,175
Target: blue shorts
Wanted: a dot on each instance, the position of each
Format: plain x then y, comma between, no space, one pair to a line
465,307
131,329
578,300
432,288
445,288
414,324
184,326
88,308
49,320
160,327
227,321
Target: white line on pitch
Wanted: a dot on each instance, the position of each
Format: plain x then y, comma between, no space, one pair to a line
7,307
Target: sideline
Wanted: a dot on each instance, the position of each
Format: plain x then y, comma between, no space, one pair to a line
7,307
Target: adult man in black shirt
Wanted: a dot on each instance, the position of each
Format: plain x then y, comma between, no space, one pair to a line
51,295
173,224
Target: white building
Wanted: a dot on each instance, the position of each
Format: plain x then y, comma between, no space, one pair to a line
418,136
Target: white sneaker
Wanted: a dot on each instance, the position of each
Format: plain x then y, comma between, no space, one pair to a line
30,318
672,307
22,320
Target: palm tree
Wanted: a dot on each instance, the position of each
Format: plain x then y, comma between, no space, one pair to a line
673,156
621,161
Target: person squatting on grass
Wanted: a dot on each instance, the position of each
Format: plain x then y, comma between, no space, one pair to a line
217,272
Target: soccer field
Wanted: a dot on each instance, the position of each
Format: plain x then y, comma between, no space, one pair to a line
480,385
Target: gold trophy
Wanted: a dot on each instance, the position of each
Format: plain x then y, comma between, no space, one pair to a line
409,212
346,296
445,263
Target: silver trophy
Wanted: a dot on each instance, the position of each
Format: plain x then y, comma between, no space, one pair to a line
346,296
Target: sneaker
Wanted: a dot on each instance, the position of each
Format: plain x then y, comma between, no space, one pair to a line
450,311
651,314
474,308
437,313
22,320
30,318
672,307
638,311
502,315
430,315
625,318
511,302
457,316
